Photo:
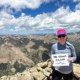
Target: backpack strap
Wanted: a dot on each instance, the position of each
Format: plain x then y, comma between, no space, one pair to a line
69,47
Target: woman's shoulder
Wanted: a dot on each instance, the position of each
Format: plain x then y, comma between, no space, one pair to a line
69,44
54,45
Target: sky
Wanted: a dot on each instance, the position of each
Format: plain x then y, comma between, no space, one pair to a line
39,16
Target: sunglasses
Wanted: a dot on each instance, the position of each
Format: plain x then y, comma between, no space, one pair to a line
59,36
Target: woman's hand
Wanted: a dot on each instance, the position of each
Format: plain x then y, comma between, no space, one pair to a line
70,59
52,61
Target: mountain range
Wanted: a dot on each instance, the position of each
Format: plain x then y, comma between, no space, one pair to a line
18,52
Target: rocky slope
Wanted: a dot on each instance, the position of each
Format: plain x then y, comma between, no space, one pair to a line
41,71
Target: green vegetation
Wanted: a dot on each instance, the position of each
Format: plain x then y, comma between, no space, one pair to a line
45,55
34,56
19,67
37,55
76,44
24,50
5,69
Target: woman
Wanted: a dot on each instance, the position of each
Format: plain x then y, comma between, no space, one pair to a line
60,48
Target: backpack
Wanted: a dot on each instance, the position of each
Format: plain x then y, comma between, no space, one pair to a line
67,43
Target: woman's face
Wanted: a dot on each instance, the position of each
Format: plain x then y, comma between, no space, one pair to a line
62,38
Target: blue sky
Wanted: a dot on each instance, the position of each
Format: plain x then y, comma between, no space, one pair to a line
39,16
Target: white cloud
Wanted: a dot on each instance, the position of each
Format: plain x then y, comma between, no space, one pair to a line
57,4
8,5
61,18
11,30
76,0
64,0
77,6
71,20
61,12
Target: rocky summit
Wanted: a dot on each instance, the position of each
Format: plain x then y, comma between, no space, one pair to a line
41,71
